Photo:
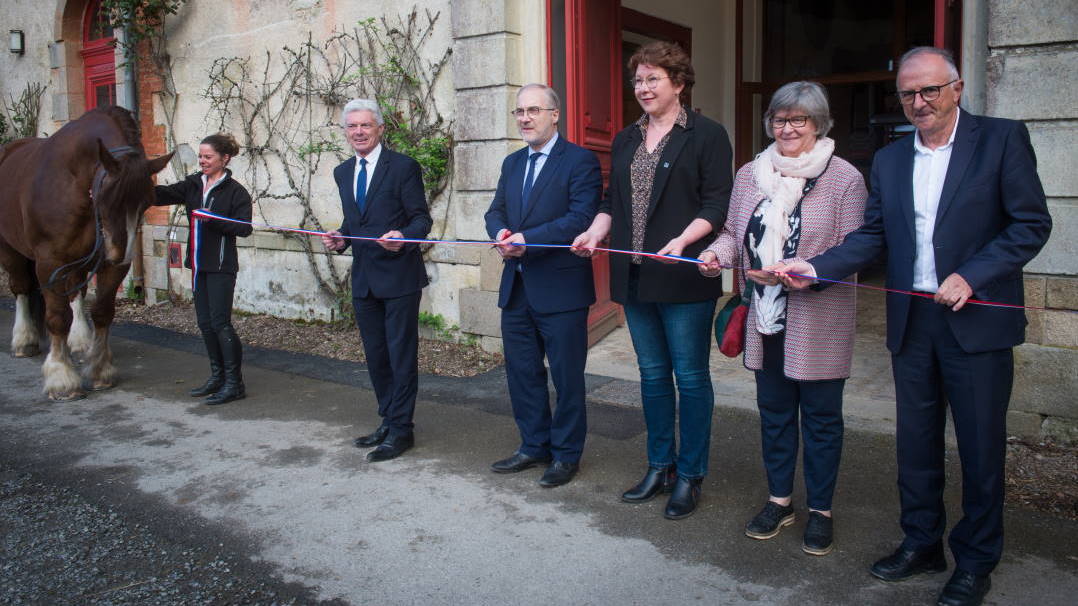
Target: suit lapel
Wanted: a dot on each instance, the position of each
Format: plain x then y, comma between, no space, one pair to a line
349,170
678,138
380,171
515,188
906,187
965,141
545,176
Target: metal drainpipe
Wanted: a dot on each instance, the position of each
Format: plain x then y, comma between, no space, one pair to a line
129,101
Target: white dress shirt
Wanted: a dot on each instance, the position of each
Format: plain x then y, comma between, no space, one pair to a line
929,172
540,161
372,161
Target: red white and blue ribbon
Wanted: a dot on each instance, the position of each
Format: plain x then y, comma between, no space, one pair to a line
203,214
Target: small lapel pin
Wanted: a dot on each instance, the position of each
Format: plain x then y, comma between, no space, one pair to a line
666,165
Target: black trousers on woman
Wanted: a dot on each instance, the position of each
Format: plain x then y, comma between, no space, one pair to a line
819,405
213,310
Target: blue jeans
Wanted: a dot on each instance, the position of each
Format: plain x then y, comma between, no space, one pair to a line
673,340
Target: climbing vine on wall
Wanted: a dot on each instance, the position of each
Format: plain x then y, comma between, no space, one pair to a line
284,107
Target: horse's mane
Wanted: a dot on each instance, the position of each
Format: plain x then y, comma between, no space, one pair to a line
126,123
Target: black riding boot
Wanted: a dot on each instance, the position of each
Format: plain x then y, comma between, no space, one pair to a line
217,366
232,351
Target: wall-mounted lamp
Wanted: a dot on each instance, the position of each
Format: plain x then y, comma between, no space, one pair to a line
16,42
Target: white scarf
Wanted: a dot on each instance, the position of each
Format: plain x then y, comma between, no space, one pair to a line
782,180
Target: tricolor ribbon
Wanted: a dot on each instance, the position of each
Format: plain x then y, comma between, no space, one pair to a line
203,214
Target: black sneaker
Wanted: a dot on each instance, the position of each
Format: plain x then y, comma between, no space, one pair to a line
770,521
818,531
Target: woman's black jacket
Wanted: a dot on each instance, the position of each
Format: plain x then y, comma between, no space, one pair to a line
213,240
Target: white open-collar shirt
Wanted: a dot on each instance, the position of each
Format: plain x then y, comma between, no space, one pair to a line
929,173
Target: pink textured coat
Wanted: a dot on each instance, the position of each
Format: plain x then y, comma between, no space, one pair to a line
819,324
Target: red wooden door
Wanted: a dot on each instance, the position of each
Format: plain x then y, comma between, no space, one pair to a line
99,62
592,54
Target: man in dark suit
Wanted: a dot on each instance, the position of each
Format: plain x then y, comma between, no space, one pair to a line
958,209
547,194
382,197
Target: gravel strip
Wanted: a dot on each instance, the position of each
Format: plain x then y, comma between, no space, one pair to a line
59,547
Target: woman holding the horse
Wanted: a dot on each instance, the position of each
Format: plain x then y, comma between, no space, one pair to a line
796,199
211,257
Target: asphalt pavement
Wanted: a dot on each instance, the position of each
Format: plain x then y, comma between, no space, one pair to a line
141,494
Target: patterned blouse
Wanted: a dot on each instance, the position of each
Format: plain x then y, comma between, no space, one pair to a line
642,178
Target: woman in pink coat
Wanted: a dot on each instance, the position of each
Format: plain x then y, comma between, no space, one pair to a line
795,199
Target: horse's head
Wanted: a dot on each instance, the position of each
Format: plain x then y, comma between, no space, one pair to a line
123,195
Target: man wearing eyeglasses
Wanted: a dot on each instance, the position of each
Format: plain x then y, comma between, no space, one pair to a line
547,194
958,209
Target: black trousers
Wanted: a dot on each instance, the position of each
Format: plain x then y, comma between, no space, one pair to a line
562,338
819,404
390,332
932,371
213,300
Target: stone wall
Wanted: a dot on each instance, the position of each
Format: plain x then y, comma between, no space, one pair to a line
498,47
1032,72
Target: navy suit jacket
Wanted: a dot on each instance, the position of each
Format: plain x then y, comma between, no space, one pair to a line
395,201
561,206
992,220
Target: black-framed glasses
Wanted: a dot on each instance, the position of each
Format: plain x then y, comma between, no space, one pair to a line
531,112
928,93
651,82
794,121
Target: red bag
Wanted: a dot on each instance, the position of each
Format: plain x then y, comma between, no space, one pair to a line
733,336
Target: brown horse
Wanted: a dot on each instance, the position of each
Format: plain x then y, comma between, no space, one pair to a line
70,206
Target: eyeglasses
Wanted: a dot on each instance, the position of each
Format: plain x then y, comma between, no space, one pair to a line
651,82
531,112
794,121
928,93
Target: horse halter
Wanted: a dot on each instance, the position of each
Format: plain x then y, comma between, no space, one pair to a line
62,272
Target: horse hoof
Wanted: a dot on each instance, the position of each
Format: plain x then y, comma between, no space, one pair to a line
67,397
27,352
102,385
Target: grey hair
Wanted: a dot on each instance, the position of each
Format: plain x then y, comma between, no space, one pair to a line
361,105
943,53
808,97
551,95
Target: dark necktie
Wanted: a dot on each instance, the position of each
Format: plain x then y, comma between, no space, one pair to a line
361,186
528,178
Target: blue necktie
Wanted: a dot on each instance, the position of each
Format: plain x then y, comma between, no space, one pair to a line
361,186
528,178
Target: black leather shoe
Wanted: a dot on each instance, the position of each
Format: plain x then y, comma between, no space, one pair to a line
518,462
964,589
211,386
683,499
819,534
656,480
374,438
391,448
771,519
904,563
558,473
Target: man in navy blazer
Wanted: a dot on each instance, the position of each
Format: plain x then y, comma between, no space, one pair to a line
547,194
958,209
382,197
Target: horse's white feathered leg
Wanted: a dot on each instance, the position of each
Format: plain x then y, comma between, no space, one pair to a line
62,383
80,338
25,341
99,370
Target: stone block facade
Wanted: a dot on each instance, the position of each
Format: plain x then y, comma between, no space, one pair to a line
491,40
1032,69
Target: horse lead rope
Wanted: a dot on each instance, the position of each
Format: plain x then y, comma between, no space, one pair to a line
65,270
